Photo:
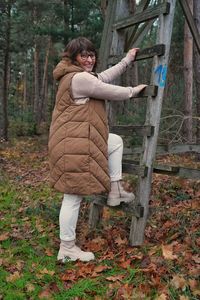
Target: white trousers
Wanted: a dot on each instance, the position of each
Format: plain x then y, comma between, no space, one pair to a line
71,203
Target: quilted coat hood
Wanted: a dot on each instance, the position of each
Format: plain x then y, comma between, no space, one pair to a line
63,68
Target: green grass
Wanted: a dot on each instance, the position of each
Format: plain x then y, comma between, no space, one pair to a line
30,239
84,289
28,246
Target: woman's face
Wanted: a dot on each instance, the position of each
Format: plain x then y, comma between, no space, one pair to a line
86,60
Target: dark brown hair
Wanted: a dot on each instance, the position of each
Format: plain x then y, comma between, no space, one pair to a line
76,46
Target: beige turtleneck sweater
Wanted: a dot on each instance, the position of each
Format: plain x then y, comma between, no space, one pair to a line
85,85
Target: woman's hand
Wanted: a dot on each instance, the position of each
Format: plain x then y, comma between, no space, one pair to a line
132,54
138,89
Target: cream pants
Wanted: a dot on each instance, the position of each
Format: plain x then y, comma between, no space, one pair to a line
71,203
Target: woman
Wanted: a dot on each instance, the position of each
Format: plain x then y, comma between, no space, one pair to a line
84,158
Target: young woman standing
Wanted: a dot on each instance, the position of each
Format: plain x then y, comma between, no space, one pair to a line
84,158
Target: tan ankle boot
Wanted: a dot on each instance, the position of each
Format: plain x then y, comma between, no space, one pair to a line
118,195
70,252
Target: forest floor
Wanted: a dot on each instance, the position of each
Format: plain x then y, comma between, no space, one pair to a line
165,267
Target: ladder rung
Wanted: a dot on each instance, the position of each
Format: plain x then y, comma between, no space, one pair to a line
132,162
151,52
165,169
136,210
150,90
141,54
177,171
148,14
128,130
131,168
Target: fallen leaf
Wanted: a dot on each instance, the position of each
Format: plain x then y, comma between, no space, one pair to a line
145,262
196,292
39,226
4,236
162,297
193,284
13,277
45,294
106,213
54,288
167,251
30,287
153,250
100,268
125,264
48,272
183,298
96,244
48,252
120,242
124,292
70,275
194,271
19,265
136,295
195,204
178,282
115,278
109,255
196,259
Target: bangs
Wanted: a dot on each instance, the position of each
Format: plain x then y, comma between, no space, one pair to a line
77,46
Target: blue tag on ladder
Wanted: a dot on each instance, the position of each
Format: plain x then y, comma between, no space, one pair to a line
161,75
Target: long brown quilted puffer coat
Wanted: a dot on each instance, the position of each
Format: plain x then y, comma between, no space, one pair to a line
78,140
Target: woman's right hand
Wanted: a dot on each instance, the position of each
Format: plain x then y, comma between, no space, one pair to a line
132,54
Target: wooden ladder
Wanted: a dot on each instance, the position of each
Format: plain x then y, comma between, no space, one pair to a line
119,35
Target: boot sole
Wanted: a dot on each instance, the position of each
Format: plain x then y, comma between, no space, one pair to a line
68,259
116,202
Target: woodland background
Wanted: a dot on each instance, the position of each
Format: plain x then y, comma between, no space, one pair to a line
32,37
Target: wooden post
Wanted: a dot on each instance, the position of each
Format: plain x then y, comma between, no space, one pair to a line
154,106
96,211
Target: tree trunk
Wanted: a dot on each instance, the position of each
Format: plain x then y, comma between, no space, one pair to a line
36,108
66,20
6,74
44,95
25,89
188,80
197,69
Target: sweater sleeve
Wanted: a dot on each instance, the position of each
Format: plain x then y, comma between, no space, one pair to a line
85,85
112,73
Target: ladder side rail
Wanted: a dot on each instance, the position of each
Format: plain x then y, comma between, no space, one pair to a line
117,49
118,40
132,32
141,33
147,15
141,54
154,106
112,42
106,36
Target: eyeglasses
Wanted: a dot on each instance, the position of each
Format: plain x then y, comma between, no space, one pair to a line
84,56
